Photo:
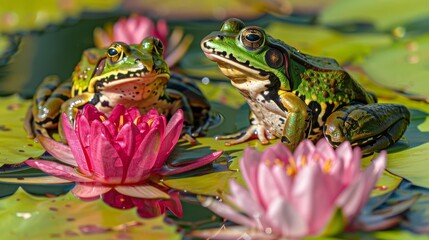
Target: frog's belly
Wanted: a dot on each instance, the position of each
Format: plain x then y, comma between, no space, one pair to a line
269,114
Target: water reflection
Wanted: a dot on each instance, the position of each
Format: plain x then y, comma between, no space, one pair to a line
146,208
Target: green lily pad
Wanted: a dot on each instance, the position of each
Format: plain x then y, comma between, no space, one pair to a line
382,14
24,16
411,164
213,184
15,146
67,217
410,72
321,41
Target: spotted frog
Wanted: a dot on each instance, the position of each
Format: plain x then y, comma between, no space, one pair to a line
294,96
131,75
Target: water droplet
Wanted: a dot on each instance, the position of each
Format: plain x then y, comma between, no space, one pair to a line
23,215
205,80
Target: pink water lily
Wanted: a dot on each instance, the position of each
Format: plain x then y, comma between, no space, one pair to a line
134,29
121,151
297,195
146,208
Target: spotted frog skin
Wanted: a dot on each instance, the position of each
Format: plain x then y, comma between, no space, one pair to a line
131,75
294,96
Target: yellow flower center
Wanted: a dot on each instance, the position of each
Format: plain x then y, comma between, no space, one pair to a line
327,166
291,168
149,123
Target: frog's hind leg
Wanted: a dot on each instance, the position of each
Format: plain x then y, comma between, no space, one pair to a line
373,127
43,115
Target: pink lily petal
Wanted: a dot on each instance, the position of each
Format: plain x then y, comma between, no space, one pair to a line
75,147
196,164
117,114
133,113
162,29
90,191
284,183
325,149
248,165
351,168
311,189
144,158
285,220
266,179
57,150
304,149
58,170
278,151
172,134
242,197
107,163
141,191
228,212
355,196
174,204
125,138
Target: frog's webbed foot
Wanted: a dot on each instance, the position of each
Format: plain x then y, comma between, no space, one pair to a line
253,131
372,127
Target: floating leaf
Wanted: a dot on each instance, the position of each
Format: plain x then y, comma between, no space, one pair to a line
321,41
15,146
402,67
214,184
24,16
67,217
412,164
383,14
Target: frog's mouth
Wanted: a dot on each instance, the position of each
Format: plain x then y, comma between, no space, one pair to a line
232,68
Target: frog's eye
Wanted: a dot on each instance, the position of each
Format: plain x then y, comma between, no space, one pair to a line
115,52
252,38
112,52
274,58
153,45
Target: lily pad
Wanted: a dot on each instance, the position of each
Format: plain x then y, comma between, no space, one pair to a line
25,16
382,14
321,41
213,184
67,217
410,72
15,146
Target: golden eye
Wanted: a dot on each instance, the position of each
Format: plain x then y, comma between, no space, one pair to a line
252,38
115,52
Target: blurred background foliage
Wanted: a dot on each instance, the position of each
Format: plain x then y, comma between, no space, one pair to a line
384,44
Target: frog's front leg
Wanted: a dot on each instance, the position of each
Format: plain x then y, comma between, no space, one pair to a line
298,119
256,129
373,127
44,112
70,108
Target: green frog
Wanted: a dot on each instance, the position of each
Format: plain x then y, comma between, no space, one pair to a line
131,75
294,96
